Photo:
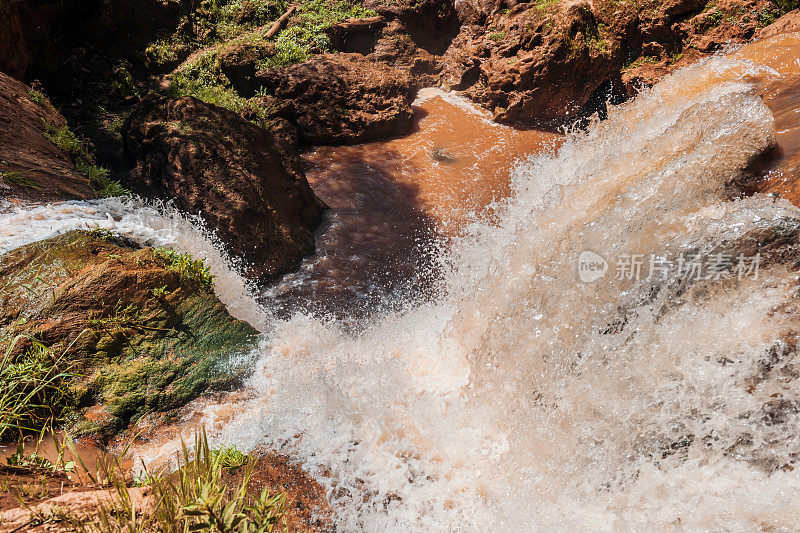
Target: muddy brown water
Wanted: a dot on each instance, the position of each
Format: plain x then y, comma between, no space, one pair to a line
394,202
782,95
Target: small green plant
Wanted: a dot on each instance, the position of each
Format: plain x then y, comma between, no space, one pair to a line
765,17
231,457
195,498
19,179
124,84
188,267
34,461
545,4
497,36
159,292
34,389
641,61
100,179
102,234
715,17
38,97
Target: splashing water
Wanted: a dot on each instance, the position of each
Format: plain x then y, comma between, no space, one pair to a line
525,399
149,223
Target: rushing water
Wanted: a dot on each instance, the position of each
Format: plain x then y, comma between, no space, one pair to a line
522,398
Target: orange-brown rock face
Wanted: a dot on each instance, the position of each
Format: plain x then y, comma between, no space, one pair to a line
544,63
31,166
343,98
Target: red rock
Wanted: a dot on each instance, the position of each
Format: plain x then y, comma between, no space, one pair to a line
788,23
32,166
213,162
343,98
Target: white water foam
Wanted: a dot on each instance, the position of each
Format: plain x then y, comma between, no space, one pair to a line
149,223
510,404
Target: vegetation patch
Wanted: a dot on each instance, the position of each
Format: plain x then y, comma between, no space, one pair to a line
200,496
305,36
186,266
34,391
231,457
19,179
213,22
76,150
203,80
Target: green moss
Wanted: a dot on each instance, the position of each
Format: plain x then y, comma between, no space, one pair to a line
641,61
497,36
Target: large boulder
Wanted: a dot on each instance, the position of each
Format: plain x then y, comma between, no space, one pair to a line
788,23
546,71
343,98
212,162
31,166
141,330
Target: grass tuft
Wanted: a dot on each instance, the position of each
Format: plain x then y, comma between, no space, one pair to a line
34,389
188,267
19,179
195,498
231,457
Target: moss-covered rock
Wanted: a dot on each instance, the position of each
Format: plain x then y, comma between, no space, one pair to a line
142,328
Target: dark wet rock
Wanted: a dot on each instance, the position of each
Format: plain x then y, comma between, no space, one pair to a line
237,176
31,166
343,98
141,329
43,38
356,35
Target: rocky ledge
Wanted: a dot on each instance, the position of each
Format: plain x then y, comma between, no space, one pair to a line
31,165
114,331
